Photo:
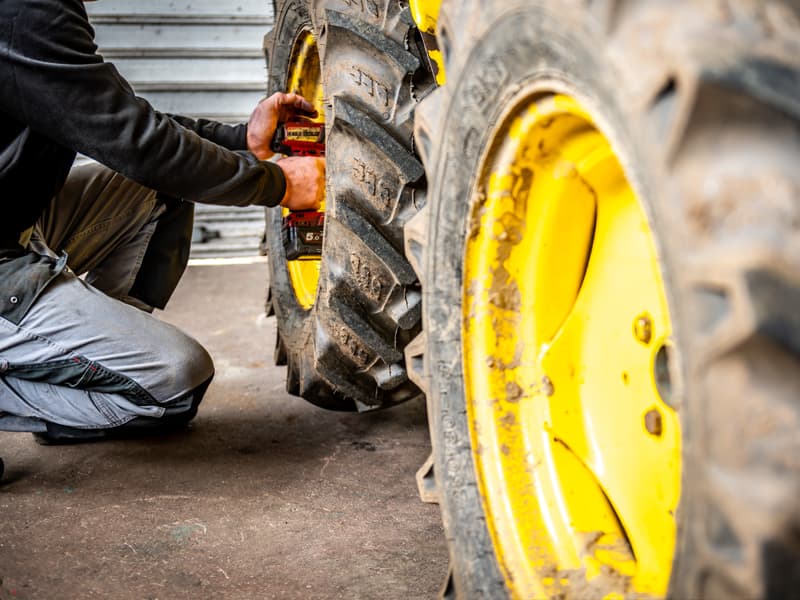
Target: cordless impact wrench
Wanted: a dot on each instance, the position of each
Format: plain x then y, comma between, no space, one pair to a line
301,230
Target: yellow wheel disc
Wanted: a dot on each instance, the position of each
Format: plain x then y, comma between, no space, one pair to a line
305,78
565,332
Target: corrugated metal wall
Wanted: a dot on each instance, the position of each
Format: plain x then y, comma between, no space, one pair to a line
200,58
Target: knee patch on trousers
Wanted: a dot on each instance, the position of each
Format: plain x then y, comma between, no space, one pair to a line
167,255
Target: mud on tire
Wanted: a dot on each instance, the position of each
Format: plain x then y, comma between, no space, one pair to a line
700,100
346,351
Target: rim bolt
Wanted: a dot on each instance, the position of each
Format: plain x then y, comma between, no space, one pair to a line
643,328
548,389
653,422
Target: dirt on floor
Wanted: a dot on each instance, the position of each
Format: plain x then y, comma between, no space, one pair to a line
265,496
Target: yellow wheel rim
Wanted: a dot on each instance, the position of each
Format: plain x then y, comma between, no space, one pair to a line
565,321
305,78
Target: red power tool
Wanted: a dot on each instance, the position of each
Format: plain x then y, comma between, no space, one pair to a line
302,229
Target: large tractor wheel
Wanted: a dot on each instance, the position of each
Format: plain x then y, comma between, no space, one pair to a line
345,317
611,279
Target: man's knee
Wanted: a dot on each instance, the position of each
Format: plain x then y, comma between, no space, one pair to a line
200,365
190,367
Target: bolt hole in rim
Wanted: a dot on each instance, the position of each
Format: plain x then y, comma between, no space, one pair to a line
565,332
305,78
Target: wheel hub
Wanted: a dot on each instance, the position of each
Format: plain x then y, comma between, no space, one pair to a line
565,318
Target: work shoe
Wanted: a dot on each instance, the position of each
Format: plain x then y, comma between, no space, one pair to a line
58,434
139,427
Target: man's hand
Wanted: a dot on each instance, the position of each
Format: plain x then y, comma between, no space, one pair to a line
276,109
305,182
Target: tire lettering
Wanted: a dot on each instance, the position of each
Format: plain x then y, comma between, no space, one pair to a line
357,352
371,184
367,7
489,76
374,88
371,284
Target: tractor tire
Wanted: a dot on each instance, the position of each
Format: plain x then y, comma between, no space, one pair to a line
701,104
345,351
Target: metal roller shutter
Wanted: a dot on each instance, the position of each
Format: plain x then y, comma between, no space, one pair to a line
200,58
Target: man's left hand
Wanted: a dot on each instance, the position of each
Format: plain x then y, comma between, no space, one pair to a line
276,109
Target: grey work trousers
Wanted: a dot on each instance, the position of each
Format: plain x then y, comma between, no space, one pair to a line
87,354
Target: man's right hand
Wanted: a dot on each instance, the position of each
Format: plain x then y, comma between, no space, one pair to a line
305,182
266,117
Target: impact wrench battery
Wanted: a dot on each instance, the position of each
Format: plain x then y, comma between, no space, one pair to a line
301,230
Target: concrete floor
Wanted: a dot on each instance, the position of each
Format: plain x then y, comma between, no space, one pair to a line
265,496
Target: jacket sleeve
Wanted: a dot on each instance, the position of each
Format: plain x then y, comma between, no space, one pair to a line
55,82
232,137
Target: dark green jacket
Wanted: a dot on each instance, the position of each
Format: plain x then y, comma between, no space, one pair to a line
58,97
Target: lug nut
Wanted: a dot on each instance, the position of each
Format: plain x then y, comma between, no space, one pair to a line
653,422
643,328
